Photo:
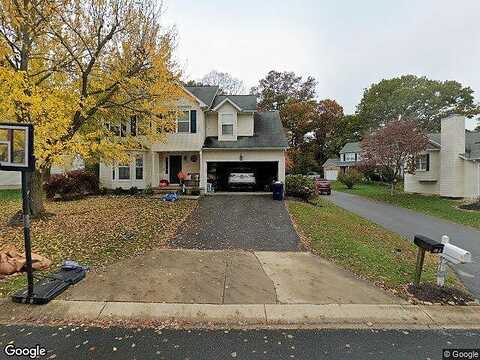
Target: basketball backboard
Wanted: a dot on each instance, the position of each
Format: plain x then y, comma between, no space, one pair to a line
16,147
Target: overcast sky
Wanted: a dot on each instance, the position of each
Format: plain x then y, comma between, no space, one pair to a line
345,45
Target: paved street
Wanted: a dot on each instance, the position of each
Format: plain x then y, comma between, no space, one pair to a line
118,343
248,222
408,223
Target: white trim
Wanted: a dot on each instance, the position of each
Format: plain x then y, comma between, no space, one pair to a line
223,102
251,148
189,123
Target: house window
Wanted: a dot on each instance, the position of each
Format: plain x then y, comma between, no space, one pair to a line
227,124
139,167
133,125
422,162
350,157
183,122
123,129
359,156
124,172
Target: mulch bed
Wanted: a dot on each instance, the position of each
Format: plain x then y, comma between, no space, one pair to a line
431,293
472,206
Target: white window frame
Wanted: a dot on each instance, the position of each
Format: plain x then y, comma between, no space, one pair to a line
136,167
349,156
421,160
223,122
129,172
189,123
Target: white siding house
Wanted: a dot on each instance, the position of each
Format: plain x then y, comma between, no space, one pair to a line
216,134
450,166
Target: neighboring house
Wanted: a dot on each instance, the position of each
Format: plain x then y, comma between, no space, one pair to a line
13,179
216,134
350,155
450,166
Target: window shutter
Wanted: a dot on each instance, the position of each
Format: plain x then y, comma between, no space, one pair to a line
133,125
193,121
428,162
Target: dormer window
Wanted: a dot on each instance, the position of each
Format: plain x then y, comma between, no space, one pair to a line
227,124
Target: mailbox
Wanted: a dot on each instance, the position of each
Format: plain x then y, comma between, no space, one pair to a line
456,255
428,244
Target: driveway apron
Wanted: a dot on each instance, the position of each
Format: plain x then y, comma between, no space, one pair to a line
407,223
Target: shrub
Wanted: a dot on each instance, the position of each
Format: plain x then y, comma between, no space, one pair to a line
300,186
148,190
71,185
133,190
118,191
350,178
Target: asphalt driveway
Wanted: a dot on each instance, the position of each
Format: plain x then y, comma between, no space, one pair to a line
248,222
408,223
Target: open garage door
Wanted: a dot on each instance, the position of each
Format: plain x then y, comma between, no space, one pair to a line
265,172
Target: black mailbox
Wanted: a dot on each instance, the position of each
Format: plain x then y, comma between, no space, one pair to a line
428,244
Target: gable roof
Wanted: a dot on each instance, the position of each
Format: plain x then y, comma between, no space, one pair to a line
268,133
206,94
244,102
352,147
332,162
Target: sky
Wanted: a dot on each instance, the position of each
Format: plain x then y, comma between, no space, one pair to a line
345,44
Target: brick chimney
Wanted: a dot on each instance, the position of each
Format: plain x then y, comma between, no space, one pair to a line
451,165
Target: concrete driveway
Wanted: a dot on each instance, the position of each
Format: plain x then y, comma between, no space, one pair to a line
247,222
408,223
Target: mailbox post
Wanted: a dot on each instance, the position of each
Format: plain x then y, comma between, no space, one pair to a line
424,244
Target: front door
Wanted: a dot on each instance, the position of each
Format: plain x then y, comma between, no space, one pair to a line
175,168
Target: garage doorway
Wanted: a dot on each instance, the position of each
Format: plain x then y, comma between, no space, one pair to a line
265,172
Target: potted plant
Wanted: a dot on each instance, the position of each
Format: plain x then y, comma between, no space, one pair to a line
182,177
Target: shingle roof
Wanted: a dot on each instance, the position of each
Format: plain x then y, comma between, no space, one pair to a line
204,93
268,133
472,143
330,162
244,102
353,147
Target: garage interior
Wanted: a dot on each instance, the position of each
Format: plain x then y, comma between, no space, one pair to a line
266,172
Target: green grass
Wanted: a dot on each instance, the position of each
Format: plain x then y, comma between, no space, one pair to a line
359,245
10,195
427,204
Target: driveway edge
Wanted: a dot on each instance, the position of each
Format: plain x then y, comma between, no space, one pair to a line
258,315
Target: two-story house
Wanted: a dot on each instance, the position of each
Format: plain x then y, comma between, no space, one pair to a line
350,155
215,135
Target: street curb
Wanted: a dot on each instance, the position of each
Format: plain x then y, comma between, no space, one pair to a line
260,315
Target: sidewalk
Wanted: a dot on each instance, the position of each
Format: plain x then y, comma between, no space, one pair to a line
257,315
227,277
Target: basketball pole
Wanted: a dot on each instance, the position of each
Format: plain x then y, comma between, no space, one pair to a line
26,233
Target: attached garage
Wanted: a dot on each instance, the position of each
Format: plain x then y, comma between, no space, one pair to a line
331,175
267,165
331,169
265,173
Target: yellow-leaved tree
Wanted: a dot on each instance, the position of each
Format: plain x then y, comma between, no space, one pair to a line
70,66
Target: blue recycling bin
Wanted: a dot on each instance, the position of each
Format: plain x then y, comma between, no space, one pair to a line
278,191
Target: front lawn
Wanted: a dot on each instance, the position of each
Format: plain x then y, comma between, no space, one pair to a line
94,231
359,245
427,204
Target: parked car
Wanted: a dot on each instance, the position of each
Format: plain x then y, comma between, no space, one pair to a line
323,186
313,175
241,178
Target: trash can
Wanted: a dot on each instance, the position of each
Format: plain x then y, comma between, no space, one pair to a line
278,190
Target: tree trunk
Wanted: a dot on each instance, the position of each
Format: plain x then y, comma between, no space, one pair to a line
36,193
392,188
